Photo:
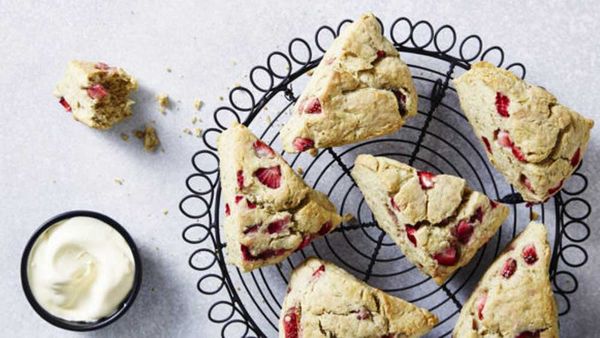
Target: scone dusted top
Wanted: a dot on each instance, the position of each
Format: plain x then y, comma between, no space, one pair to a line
269,211
326,301
96,93
533,140
514,297
437,220
360,90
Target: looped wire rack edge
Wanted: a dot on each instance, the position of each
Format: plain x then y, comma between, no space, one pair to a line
248,304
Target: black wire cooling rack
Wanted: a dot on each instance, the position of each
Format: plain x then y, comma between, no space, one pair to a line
438,139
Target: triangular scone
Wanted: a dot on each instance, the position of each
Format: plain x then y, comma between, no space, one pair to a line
326,301
360,90
437,220
269,211
514,297
533,140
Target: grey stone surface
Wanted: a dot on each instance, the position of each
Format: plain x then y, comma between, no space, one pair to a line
49,163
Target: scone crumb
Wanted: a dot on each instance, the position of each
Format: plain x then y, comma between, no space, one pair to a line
347,218
163,102
313,152
198,132
119,181
124,137
139,134
220,98
194,120
151,140
198,104
534,216
165,211
169,69
187,131
300,170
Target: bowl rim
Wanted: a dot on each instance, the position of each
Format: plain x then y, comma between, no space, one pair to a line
75,325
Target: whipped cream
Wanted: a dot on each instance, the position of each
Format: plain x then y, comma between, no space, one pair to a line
80,269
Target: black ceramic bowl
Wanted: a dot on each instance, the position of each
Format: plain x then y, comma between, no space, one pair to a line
73,325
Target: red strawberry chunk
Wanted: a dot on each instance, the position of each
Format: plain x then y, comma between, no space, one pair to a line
363,314
238,198
303,144
509,268
325,228
555,189
320,270
251,229
250,204
518,153
97,91
503,138
305,241
277,226
576,158
447,257
401,99
493,204
102,66
426,179
262,149
478,216
291,323
65,104
380,55
502,103
240,179
271,177
529,254
481,305
528,334
410,233
526,182
487,144
227,209
463,231
393,203
313,106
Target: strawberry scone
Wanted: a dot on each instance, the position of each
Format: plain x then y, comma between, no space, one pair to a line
533,140
437,220
326,301
360,90
269,211
514,297
96,93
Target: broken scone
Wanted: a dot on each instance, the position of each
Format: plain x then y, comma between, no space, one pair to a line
437,220
96,93
533,140
269,211
326,301
514,297
360,90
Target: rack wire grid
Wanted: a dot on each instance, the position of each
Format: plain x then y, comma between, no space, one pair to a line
438,139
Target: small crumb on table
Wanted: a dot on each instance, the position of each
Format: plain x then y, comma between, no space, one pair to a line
198,104
165,212
149,136
300,170
119,181
187,131
198,132
163,102
124,137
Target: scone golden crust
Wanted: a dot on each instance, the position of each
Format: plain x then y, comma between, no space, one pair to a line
360,90
437,220
514,297
325,301
533,140
96,93
269,211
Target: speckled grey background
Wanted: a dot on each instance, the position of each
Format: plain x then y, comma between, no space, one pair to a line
50,164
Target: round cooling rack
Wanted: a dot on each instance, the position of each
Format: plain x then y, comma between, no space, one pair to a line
438,139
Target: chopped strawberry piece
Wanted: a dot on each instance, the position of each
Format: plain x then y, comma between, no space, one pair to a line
65,104
271,177
528,334
410,233
401,99
502,103
291,323
305,241
238,198
487,144
529,254
503,138
325,228
363,314
576,158
480,305
518,153
380,55
509,268
97,91
313,106
247,255
555,189
227,209
102,66
250,204
463,231
447,257
320,270
478,216
240,179
426,179
251,229
493,204
303,144
393,203
526,182
277,226
262,149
